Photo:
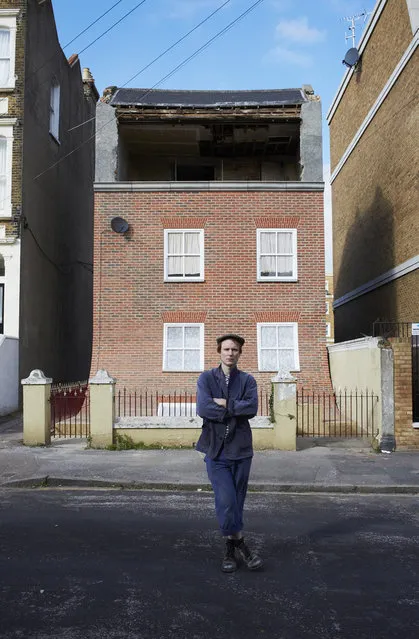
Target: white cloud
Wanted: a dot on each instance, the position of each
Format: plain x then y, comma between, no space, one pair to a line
296,58
298,31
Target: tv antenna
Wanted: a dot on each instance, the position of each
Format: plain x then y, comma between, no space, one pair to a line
352,27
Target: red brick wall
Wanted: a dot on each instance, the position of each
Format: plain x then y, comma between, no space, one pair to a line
406,435
132,301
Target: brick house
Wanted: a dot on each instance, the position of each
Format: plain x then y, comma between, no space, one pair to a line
374,145
46,198
223,195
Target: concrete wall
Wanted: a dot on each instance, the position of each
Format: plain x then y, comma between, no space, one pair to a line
106,144
9,374
185,431
311,152
356,365
11,280
56,273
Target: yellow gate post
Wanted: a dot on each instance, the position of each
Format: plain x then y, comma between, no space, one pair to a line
285,411
36,409
102,409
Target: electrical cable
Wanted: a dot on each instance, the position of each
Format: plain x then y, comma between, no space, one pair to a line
92,24
112,26
74,39
179,66
172,46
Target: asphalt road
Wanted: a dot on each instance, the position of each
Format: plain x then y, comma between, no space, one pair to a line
134,565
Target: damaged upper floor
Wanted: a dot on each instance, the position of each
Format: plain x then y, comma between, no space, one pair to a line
148,135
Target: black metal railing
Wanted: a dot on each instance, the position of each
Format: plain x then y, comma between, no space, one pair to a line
70,410
343,414
147,403
391,329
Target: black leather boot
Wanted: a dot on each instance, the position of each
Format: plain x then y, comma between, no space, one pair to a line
229,563
251,559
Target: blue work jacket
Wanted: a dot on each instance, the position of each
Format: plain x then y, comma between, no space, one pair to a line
228,427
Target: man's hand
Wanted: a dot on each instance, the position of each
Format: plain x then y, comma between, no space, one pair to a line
220,402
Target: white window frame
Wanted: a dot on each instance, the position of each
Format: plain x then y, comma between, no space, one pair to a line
8,21
278,278
201,257
6,131
296,350
328,329
327,308
54,110
201,346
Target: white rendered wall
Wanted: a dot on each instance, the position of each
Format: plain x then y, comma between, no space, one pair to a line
11,281
9,374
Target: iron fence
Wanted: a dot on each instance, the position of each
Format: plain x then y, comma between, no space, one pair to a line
70,410
146,403
391,329
343,414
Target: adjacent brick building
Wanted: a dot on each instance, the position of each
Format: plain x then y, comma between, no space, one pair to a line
46,194
374,140
221,196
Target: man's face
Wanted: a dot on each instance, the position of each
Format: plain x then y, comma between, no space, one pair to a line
230,352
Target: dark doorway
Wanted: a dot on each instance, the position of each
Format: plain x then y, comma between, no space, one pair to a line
185,173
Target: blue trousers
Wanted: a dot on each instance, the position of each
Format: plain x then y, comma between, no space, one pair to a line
229,479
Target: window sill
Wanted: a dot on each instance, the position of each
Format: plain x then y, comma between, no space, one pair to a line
183,279
201,370
296,370
7,89
277,279
415,424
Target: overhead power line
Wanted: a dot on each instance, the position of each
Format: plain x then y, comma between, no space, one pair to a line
168,75
75,38
92,24
115,24
161,55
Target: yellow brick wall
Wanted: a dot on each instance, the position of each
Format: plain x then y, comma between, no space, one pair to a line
384,50
407,437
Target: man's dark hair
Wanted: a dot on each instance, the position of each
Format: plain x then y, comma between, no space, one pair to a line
235,338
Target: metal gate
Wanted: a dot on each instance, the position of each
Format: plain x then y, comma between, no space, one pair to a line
343,415
415,377
70,410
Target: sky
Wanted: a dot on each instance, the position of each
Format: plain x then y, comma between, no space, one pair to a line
280,44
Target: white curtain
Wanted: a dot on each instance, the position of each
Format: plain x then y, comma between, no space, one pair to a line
267,254
175,255
3,173
277,348
4,57
192,258
268,243
183,348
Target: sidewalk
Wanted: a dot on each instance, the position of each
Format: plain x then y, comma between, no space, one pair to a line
338,467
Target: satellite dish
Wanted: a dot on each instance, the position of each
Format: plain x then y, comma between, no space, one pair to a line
351,58
119,225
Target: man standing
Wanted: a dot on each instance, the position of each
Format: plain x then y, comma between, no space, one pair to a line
226,400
